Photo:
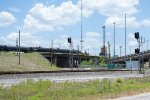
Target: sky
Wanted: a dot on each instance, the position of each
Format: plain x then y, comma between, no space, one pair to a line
44,21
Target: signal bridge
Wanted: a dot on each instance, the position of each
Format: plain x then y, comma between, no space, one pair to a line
144,56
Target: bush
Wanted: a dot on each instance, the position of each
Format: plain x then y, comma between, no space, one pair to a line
85,62
119,80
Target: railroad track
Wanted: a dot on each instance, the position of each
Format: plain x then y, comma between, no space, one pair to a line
61,71
13,77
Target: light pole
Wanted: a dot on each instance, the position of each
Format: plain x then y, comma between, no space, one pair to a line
114,38
120,50
125,35
104,39
81,29
130,50
19,46
109,49
147,45
51,52
78,56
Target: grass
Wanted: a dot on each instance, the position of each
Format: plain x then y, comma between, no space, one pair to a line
29,62
46,90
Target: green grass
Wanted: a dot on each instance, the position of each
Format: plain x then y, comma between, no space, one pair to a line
29,62
45,90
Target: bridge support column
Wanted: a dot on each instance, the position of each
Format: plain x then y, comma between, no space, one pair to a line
56,61
149,62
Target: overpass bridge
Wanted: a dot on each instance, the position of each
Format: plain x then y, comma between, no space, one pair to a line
144,56
63,59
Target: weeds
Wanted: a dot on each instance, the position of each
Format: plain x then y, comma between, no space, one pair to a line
46,90
29,62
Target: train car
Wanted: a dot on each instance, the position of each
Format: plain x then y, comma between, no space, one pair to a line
36,49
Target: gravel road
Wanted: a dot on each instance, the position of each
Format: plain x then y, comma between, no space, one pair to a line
10,79
143,96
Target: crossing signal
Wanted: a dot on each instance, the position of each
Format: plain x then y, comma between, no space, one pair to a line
69,40
137,35
137,51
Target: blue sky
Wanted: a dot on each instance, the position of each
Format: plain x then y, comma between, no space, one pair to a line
42,21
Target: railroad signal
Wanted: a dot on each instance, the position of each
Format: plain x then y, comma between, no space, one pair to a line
137,51
69,40
137,35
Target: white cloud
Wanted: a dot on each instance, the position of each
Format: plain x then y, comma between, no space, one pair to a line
48,18
112,7
131,22
132,41
145,22
6,19
109,33
13,36
34,25
61,42
91,41
115,10
14,9
92,34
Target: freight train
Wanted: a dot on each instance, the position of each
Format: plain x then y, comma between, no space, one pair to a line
35,49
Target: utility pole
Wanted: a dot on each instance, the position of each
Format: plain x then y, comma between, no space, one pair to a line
130,50
19,47
109,49
120,50
125,34
51,52
81,28
140,42
72,61
147,45
78,56
71,52
114,38
104,39
59,45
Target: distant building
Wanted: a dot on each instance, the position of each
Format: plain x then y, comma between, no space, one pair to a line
103,51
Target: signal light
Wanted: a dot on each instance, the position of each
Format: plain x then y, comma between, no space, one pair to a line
69,40
137,51
137,35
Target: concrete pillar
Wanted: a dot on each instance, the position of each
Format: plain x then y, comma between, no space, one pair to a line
56,60
149,62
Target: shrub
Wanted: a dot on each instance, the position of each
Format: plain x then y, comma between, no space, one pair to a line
85,62
119,80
